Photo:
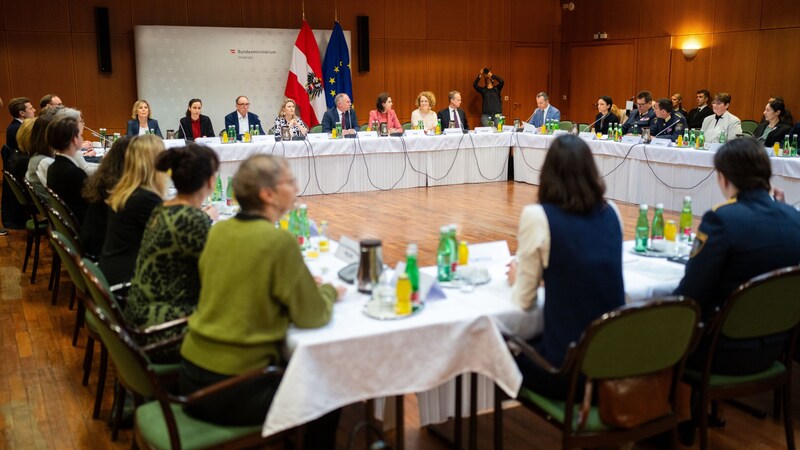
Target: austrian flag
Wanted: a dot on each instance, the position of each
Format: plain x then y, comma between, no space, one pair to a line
304,84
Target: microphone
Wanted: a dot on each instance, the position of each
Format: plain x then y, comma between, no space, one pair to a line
96,134
598,120
183,132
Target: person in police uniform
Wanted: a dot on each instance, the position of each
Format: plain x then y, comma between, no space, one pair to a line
643,116
668,124
749,235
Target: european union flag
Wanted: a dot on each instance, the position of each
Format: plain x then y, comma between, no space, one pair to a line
336,67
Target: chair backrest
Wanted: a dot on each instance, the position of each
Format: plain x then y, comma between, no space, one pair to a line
583,127
70,257
35,199
408,126
565,124
58,223
59,205
364,127
21,194
99,290
639,338
316,129
766,305
749,126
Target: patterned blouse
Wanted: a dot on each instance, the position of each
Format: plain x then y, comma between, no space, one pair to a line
166,284
281,121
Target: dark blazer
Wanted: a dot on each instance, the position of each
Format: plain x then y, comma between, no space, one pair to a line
11,134
601,126
695,117
66,179
795,129
444,116
233,119
331,116
206,129
776,135
133,127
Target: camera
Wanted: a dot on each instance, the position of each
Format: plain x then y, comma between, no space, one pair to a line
486,70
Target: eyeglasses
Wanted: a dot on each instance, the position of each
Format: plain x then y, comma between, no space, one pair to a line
243,104
639,105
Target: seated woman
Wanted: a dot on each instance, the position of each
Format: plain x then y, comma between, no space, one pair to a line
96,191
254,285
619,113
677,104
553,236
604,116
774,127
424,112
138,192
385,114
748,235
141,123
166,284
287,116
195,125
41,153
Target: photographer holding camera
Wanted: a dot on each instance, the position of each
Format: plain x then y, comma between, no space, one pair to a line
490,93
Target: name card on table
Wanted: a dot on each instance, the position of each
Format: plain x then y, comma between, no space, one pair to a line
528,128
483,130
347,250
367,134
631,140
489,253
587,135
560,132
317,136
509,129
173,143
660,142
715,146
453,131
414,132
262,139
207,140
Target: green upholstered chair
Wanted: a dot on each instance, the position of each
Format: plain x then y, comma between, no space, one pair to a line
766,305
58,204
749,126
69,255
583,127
632,341
66,226
565,125
408,126
162,422
316,129
364,127
35,226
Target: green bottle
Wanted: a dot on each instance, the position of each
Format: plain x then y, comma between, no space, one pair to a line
217,195
787,146
304,238
657,230
453,243
443,256
686,137
642,229
794,145
693,140
412,269
701,140
686,219
229,192
723,136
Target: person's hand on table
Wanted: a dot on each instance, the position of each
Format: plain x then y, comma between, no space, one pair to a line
89,152
212,212
340,291
512,272
778,195
348,131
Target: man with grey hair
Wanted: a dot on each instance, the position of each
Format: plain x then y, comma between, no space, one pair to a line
86,146
544,111
343,113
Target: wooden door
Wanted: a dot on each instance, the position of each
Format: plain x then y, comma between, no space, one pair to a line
530,73
597,70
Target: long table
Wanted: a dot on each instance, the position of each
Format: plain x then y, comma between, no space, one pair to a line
368,164
651,174
355,358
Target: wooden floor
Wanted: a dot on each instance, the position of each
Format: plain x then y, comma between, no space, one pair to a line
43,405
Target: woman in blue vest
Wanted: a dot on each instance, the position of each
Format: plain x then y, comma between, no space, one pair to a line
572,241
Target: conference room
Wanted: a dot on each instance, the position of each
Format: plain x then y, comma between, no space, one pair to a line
438,377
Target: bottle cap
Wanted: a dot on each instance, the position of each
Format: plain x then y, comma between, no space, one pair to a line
643,206
687,199
443,229
412,249
659,206
303,206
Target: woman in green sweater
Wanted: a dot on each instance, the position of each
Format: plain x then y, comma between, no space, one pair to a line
254,283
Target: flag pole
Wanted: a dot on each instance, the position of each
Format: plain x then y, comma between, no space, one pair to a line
335,11
303,8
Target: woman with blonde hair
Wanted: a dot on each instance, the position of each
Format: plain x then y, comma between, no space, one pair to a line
141,123
288,116
424,112
138,192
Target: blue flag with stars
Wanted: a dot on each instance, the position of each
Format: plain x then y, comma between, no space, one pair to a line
336,67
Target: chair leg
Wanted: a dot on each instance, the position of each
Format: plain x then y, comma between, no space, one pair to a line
498,418
702,418
787,413
56,276
87,360
78,322
101,382
72,298
36,239
776,404
27,252
119,405
52,273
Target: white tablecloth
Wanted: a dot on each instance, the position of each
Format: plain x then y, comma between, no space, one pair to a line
651,174
355,358
367,164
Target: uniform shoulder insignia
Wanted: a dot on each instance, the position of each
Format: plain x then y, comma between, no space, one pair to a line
700,240
720,205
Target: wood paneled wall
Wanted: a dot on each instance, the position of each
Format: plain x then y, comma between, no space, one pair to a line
48,46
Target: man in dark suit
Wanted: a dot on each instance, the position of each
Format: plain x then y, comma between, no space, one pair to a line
453,115
695,117
242,118
20,109
343,113
64,176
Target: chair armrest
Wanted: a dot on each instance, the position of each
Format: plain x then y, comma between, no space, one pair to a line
518,345
219,388
165,343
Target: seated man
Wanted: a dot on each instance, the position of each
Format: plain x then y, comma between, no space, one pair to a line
64,176
695,117
544,111
242,118
749,235
668,125
643,116
343,113
453,116
721,120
